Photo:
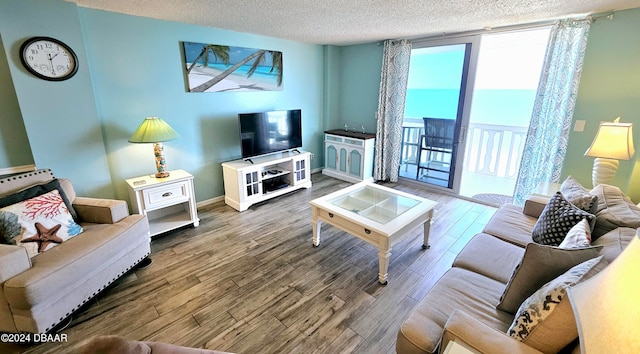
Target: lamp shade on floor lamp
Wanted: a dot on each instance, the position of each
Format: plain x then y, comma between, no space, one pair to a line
154,130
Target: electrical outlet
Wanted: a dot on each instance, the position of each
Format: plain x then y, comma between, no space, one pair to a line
312,156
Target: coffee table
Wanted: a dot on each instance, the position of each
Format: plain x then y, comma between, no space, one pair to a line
376,214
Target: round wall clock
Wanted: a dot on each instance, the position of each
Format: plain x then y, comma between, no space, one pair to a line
48,58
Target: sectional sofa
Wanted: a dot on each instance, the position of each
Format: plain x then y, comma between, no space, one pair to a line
484,299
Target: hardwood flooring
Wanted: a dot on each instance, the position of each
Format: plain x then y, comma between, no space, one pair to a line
252,282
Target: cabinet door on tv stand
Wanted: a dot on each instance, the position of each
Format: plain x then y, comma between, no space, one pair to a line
300,169
252,183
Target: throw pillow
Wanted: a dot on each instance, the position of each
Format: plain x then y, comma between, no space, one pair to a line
557,218
614,210
545,320
579,196
578,237
38,224
36,190
539,265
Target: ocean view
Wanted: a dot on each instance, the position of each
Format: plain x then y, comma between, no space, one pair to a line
489,106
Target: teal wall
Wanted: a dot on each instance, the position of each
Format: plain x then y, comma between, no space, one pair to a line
14,144
60,118
609,87
130,68
359,86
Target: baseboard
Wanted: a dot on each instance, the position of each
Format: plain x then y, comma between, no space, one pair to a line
17,169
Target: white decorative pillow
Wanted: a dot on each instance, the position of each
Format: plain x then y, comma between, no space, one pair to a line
545,320
39,223
578,237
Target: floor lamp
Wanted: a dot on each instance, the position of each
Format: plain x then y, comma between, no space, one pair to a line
613,142
607,306
155,130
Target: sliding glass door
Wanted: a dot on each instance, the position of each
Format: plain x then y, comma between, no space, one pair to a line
436,111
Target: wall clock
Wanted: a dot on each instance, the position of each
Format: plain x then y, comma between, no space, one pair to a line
48,58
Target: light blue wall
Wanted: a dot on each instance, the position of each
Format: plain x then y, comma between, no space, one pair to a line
359,86
14,144
609,87
131,68
137,71
60,118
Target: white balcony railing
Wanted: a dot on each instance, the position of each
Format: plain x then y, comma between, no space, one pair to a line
492,150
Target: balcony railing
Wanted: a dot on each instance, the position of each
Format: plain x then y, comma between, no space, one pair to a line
492,150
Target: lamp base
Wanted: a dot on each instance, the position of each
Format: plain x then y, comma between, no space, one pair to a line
158,152
604,170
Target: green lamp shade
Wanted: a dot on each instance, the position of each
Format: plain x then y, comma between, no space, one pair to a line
153,130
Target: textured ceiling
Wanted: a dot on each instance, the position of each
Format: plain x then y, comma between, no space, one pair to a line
343,22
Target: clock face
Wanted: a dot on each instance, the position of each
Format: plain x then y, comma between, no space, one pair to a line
48,58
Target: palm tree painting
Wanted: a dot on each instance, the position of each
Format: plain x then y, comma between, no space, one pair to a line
219,68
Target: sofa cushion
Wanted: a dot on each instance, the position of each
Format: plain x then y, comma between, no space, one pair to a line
579,196
615,209
38,224
510,224
558,217
578,237
458,289
490,256
545,320
614,242
539,265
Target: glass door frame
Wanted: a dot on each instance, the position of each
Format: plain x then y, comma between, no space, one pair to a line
464,102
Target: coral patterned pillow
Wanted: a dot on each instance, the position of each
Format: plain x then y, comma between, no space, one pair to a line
38,224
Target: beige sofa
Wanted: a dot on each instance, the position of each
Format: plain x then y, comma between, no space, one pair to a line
38,293
462,306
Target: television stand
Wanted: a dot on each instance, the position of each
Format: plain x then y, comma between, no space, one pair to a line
265,177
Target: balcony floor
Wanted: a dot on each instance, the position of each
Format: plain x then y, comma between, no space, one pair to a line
487,188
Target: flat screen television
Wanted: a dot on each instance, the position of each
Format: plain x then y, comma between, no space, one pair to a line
270,132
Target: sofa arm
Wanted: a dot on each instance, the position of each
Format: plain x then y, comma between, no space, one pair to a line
13,261
534,205
100,211
474,334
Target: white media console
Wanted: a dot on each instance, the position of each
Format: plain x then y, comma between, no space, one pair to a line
265,177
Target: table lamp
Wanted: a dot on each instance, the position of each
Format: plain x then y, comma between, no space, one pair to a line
606,307
155,130
613,142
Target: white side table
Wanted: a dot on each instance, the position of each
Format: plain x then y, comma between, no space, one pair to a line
169,203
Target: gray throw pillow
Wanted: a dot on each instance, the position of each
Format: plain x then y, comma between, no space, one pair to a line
579,196
539,265
614,210
557,218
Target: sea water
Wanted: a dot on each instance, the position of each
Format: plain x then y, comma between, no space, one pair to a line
511,107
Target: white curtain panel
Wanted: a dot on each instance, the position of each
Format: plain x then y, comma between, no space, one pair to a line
546,142
393,90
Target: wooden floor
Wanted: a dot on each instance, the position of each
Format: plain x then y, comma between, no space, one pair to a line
252,282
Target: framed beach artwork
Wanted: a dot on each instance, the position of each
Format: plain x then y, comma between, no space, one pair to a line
221,68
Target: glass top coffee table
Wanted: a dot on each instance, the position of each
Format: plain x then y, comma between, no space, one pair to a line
376,214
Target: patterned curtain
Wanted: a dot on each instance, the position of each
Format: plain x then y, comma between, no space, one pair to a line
393,89
546,142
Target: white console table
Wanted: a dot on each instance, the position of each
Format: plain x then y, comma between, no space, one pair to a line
262,178
169,203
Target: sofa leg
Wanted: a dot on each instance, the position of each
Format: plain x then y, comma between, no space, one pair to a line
144,263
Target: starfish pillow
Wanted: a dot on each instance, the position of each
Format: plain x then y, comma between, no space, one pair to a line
38,224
